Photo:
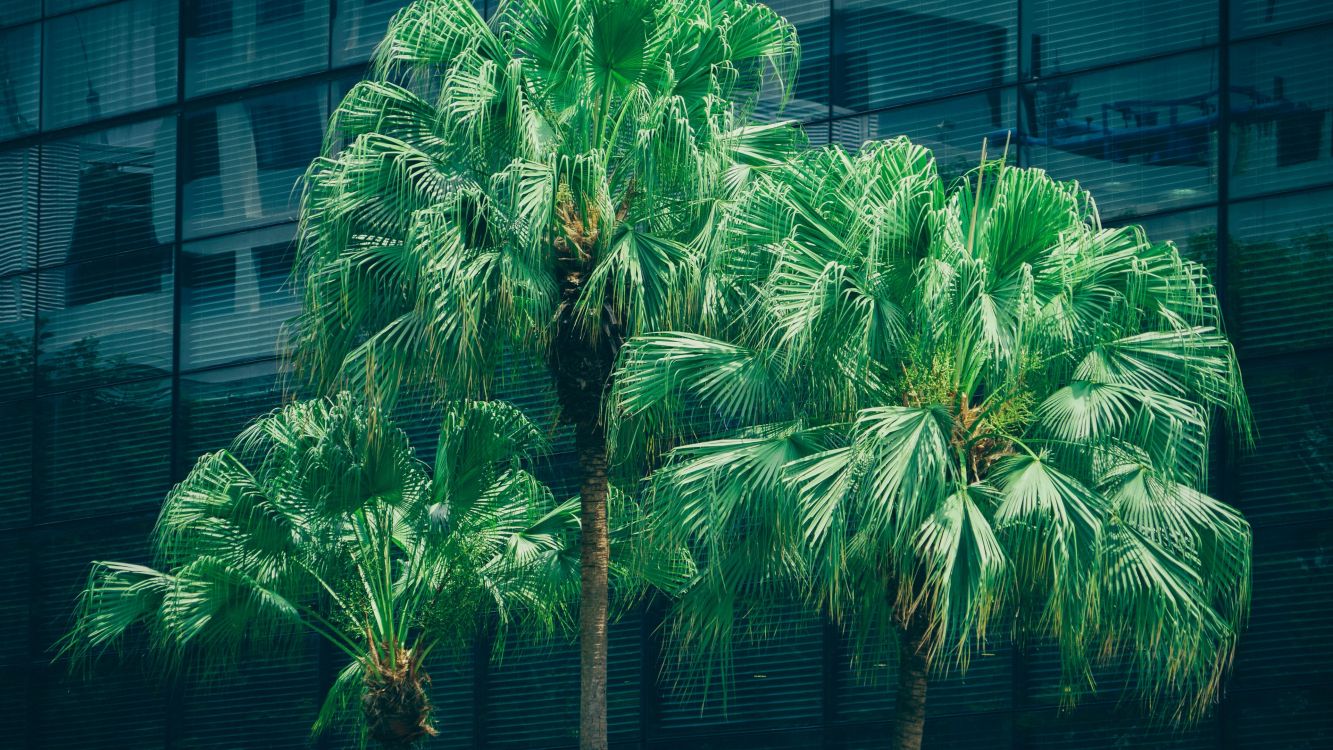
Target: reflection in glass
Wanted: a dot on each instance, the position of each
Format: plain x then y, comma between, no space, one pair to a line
108,60
217,404
1141,138
895,51
18,303
105,450
20,79
1289,475
106,320
953,129
1280,273
230,43
809,98
1193,232
359,25
1281,97
235,296
244,159
18,209
1068,35
109,192
1255,17
18,11
15,465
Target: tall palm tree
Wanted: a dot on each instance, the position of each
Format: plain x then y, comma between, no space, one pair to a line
944,404
321,520
543,183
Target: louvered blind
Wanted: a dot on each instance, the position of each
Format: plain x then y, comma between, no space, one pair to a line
267,700
15,463
1280,273
1141,138
18,209
1281,120
20,58
1291,609
15,600
105,450
231,43
217,404
109,192
108,60
1287,476
18,303
1286,717
1068,35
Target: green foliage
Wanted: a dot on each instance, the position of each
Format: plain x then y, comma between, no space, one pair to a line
320,519
970,404
563,162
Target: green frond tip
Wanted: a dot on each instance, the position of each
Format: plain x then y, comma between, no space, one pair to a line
969,408
320,519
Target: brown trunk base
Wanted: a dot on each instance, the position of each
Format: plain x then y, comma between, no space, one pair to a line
395,704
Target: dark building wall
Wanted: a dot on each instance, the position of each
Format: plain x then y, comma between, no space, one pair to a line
148,153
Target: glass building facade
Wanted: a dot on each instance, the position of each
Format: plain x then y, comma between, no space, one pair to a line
149,151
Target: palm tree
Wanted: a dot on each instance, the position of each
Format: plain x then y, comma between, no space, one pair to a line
948,410
542,184
321,520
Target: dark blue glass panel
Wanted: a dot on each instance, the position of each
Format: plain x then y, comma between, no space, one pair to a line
109,192
1101,727
107,61
106,450
215,405
15,463
18,304
1291,612
15,598
244,159
236,294
231,43
18,11
20,79
775,680
1289,475
894,51
18,209
1193,232
952,128
1067,35
809,98
106,320
1142,138
268,698
1281,97
359,25
1254,17
1280,273
118,704
1286,717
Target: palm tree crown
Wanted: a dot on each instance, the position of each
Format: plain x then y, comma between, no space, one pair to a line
321,519
945,404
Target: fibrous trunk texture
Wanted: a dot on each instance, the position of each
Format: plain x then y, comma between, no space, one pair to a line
395,704
582,360
909,721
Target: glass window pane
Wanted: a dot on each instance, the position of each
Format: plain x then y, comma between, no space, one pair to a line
229,43
1255,17
1068,35
1283,717
359,25
106,450
1289,475
18,209
217,404
1291,611
109,192
1141,138
1098,726
15,465
1280,102
266,698
18,11
775,679
107,61
20,79
18,303
106,320
236,293
953,129
809,99
894,51
245,159
1280,275
1193,232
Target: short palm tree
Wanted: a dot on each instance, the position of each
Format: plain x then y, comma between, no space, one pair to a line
945,404
542,184
321,520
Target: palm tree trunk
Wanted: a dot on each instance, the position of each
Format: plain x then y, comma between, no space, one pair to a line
595,554
909,720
